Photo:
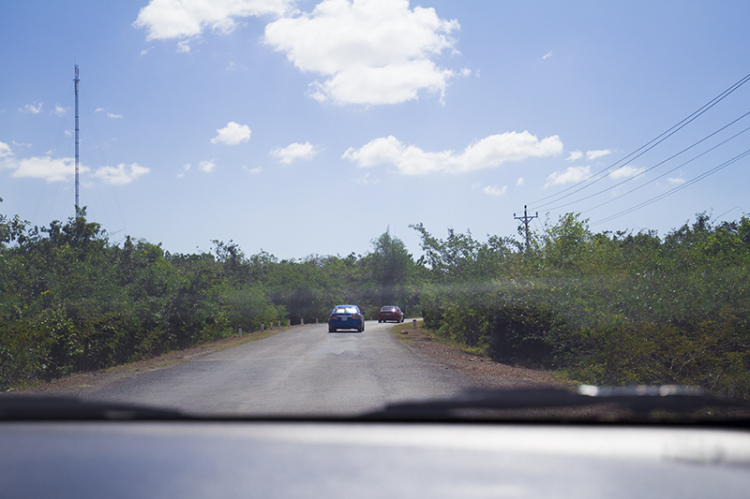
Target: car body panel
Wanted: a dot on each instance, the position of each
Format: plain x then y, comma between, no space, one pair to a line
346,317
390,313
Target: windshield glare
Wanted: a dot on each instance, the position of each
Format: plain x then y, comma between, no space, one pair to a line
324,207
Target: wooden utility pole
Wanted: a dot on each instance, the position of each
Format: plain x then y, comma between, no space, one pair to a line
526,219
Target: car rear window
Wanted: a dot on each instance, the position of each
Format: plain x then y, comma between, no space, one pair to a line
345,310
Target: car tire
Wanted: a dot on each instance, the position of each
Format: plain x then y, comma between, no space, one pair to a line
331,329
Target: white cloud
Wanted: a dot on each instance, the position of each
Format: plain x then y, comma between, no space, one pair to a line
547,55
254,171
574,155
207,165
491,190
122,174
146,51
293,152
676,181
99,109
115,116
185,168
32,108
177,19
5,150
591,155
572,174
44,167
370,51
60,111
486,153
627,171
366,180
520,182
232,134
183,47
69,133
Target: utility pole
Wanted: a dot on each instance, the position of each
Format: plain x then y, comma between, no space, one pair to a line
76,80
526,219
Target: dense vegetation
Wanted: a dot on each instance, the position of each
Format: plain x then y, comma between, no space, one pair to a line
604,308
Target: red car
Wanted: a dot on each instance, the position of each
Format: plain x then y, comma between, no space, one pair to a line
390,313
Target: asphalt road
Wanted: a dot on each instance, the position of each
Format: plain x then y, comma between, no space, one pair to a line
303,370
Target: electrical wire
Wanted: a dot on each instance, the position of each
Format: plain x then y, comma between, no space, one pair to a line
640,174
676,189
643,149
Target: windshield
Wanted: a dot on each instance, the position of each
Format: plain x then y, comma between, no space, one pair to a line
545,194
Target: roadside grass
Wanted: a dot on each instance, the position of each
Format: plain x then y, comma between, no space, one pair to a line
158,362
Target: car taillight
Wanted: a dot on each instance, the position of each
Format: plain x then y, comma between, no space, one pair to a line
355,316
333,316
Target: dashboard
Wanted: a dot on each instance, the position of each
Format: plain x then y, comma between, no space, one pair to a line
340,459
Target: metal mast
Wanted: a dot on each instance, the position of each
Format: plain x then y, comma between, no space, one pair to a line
76,80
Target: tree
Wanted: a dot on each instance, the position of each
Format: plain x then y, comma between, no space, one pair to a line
390,266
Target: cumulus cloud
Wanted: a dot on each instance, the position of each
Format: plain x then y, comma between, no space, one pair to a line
574,155
547,55
370,52
44,167
207,165
591,155
520,181
232,134
627,172
177,19
32,108
121,174
293,152
5,150
486,153
114,116
572,174
184,169
254,171
676,181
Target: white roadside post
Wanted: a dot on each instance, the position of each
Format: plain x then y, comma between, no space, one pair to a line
262,326
239,332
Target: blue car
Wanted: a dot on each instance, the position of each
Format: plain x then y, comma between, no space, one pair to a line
346,317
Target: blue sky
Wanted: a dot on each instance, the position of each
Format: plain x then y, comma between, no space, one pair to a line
310,127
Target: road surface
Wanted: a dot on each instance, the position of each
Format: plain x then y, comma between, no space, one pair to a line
303,370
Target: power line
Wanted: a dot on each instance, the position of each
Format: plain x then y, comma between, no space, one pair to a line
659,164
668,171
676,189
644,148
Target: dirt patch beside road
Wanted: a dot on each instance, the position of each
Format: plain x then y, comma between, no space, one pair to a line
483,372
